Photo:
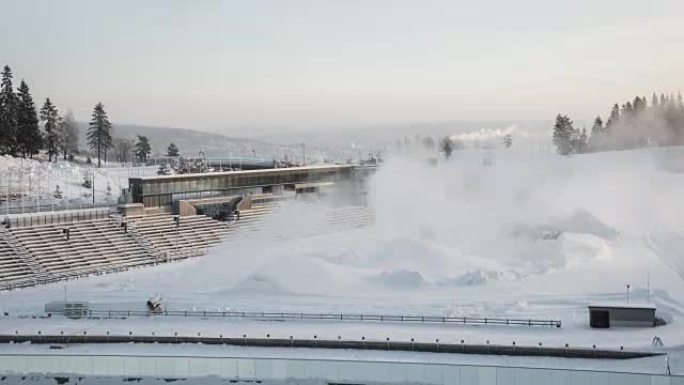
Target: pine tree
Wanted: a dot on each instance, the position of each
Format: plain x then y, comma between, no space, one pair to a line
142,148
639,104
654,100
99,132
582,141
447,147
31,140
597,127
108,143
172,150
563,134
50,116
613,119
8,114
597,138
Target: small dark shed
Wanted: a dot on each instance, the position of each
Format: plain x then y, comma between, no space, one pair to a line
638,315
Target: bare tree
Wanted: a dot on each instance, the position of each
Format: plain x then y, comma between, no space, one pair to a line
67,135
123,149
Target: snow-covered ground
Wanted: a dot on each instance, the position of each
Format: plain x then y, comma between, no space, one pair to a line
491,233
31,183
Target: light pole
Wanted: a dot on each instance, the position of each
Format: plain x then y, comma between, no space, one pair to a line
177,218
628,287
20,179
52,194
303,154
125,233
93,186
7,197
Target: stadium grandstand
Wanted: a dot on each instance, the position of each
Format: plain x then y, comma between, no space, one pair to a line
39,248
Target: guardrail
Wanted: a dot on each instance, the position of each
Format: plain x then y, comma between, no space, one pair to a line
284,316
52,277
58,216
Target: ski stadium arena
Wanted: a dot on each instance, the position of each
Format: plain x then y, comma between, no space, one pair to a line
412,272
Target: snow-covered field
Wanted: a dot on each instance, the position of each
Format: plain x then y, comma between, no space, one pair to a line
491,233
31,183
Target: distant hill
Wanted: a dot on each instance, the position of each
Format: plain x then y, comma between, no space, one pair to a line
379,136
191,142
325,144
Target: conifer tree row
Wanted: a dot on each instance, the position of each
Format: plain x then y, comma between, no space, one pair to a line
632,124
20,126
20,131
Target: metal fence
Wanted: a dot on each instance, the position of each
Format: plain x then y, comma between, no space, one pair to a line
284,316
54,217
44,205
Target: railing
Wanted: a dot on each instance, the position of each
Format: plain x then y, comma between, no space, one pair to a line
56,217
16,208
57,277
282,316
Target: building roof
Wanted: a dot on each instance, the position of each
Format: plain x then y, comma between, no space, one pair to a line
623,305
227,173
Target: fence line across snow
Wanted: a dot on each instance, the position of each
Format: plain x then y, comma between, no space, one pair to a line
283,316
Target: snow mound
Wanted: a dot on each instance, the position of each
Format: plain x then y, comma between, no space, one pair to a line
398,279
472,278
258,283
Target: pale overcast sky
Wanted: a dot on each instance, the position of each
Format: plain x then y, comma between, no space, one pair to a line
214,65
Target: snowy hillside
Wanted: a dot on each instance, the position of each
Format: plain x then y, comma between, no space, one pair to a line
31,183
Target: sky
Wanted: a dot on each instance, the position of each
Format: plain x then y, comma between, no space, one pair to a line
224,66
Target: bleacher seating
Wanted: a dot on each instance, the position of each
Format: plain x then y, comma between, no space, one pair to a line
42,253
92,247
194,232
12,269
324,219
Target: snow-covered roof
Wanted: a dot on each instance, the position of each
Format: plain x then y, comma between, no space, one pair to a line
624,305
223,173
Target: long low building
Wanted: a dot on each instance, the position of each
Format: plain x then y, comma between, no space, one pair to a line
161,191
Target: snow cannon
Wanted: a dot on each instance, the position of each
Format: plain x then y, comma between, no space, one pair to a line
154,304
